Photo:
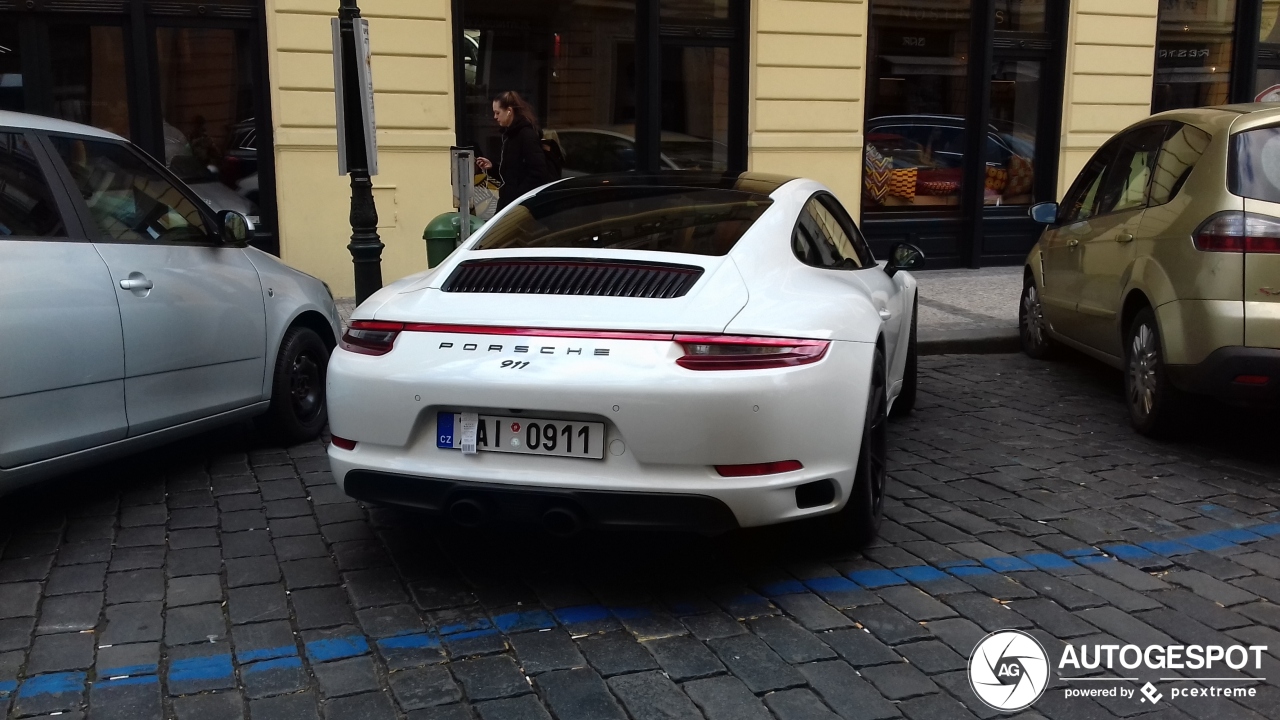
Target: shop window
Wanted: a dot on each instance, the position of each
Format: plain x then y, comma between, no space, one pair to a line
207,114
695,107
11,97
88,70
1011,137
916,105
1266,83
1193,53
574,63
1022,15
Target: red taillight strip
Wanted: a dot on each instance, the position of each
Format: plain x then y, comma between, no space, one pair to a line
377,325
536,332
750,340
755,469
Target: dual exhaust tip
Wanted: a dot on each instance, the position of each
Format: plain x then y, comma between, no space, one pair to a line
557,520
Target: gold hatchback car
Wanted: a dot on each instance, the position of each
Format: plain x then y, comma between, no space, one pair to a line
1163,260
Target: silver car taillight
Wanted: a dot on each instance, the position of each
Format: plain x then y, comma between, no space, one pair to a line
1236,231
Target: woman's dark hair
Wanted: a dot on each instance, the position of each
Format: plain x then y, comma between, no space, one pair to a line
511,100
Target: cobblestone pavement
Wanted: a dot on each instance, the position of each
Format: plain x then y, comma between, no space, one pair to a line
216,579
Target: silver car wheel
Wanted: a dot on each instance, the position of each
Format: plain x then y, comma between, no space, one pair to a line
1033,316
1143,358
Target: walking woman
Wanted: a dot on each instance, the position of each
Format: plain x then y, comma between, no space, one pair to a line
522,163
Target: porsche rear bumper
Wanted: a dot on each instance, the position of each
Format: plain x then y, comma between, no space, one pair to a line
666,426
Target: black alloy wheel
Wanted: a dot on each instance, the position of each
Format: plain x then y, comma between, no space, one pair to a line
1032,328
906,400
857,523
298,412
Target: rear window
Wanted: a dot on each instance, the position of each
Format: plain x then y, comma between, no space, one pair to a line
693,220
1254,166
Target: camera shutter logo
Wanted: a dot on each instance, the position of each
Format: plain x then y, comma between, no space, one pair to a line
1009,670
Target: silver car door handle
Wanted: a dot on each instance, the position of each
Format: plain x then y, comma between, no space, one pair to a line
885,314
1124,238
138,283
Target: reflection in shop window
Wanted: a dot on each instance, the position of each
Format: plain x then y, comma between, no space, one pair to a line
87,68
207,109
574,63
1011,137
1266,87
1193,53
11,97
915,127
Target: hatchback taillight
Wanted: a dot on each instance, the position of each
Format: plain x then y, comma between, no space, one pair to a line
732,352
370,337
1234,231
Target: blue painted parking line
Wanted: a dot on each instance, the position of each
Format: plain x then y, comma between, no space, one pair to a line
964,571
283,663
921,574
1132,553
1050,561
410,642
872,579
477,623
128,670
831,584
785,587
1168,548
126,681
581,614
523,621
52,684
337,648
7,686
1007,564
209,667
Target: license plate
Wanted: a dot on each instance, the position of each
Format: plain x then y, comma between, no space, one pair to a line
524,435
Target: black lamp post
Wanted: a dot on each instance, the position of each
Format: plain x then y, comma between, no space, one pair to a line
366,246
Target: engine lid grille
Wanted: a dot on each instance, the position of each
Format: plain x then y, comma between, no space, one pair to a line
551,276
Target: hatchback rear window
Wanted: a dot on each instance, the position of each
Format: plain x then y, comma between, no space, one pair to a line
1254,165
693,220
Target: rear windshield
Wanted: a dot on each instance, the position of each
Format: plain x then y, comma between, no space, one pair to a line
693,220
1254,170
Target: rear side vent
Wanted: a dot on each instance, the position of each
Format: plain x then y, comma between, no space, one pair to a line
573,277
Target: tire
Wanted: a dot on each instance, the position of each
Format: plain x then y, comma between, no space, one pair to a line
1032,328
297,413
1155,405
857,523
906,400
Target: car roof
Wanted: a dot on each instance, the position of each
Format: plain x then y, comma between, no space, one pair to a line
48,124
762,183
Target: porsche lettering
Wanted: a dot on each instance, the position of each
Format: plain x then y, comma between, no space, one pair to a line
542,350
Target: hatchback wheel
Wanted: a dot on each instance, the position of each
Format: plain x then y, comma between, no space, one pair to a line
1154,403
298,411
858,521
1032,327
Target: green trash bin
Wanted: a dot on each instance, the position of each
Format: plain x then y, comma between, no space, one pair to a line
443,234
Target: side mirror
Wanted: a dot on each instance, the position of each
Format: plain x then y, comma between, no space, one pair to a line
235,228
1045,212
904,256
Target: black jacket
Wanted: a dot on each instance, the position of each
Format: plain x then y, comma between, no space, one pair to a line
522,164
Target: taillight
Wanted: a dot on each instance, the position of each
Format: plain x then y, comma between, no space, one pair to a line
769,468
1234,231
730,352
344,443
369,337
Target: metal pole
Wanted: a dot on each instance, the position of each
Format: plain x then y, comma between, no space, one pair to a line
466,178
366,246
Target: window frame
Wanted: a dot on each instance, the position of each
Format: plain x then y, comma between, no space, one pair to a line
832,205
72,223
1120,141
91,228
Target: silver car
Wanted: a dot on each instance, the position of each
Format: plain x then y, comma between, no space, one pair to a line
132,314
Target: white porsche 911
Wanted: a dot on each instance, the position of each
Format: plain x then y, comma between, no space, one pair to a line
678,351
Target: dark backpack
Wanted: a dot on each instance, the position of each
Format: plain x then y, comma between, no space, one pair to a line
555,158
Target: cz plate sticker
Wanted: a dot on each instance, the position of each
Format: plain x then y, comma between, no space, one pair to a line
468,432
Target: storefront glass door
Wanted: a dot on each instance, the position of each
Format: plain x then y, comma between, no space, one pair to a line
207,112
922,109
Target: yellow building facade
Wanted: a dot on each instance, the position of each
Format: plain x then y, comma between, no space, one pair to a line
806,80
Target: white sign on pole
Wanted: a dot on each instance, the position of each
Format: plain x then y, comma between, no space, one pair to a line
364,74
